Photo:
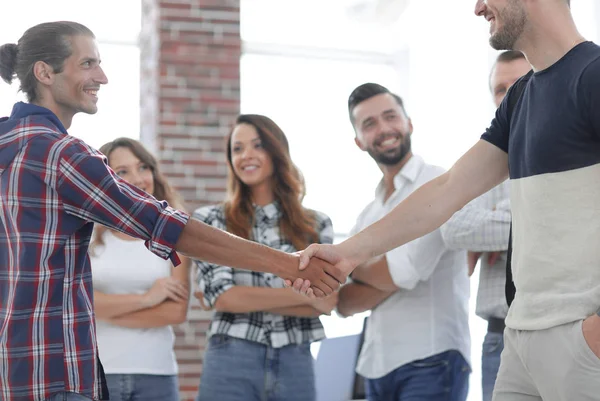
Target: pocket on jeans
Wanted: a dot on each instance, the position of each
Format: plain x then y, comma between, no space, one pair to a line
432,362
431,378
219,341
304,349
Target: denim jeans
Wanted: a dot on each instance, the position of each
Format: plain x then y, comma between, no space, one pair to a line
133,387
493,344
68,396
442,377
241,370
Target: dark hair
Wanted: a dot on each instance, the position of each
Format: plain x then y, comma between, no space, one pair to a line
297,224
509,55
367,91
49,42
505,57
162,189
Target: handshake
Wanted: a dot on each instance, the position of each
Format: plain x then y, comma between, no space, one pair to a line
322,269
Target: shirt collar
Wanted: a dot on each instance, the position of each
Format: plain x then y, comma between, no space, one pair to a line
407,174
269,211
21,110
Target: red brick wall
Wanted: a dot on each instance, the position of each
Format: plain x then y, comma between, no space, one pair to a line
190,95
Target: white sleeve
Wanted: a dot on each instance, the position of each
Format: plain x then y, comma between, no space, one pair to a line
415,261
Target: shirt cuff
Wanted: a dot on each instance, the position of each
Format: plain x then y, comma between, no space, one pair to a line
216,289
166,233
401,270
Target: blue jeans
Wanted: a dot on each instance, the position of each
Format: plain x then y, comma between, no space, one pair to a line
493,344
241,370
442,377
68,396
133,387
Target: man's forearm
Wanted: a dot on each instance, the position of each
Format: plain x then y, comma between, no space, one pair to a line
431,205
356,298
204,242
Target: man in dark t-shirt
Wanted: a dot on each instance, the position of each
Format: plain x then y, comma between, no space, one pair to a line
550,143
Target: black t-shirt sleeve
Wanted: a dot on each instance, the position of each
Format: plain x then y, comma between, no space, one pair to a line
497,133
589,87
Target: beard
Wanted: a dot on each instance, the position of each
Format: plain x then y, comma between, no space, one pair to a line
392,156
513,18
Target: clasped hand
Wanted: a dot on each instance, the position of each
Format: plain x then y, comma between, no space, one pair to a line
322,269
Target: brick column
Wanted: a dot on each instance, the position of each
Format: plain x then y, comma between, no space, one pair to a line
190,95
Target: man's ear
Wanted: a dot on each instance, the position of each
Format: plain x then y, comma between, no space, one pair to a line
359,143
43,73
410,126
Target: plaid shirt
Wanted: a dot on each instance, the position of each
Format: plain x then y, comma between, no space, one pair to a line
53,187
483,225
266,328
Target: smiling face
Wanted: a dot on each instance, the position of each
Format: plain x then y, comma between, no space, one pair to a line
382,129
75,88
251,163
130,168
507,20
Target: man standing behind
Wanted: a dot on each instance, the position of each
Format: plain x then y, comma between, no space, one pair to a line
417,340
482,227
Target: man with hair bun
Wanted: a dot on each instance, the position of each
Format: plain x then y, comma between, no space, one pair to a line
53,188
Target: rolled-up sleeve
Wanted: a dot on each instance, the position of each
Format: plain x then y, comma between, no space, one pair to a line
213,280
90,190
415,261
166,233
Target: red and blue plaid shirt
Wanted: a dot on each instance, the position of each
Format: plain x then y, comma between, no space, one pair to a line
53,188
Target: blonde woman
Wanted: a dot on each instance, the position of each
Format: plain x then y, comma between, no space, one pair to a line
137,295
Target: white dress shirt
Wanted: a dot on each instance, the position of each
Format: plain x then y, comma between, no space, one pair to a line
428,315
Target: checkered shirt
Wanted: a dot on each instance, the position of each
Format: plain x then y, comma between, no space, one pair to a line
53,188
266,328
483,225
